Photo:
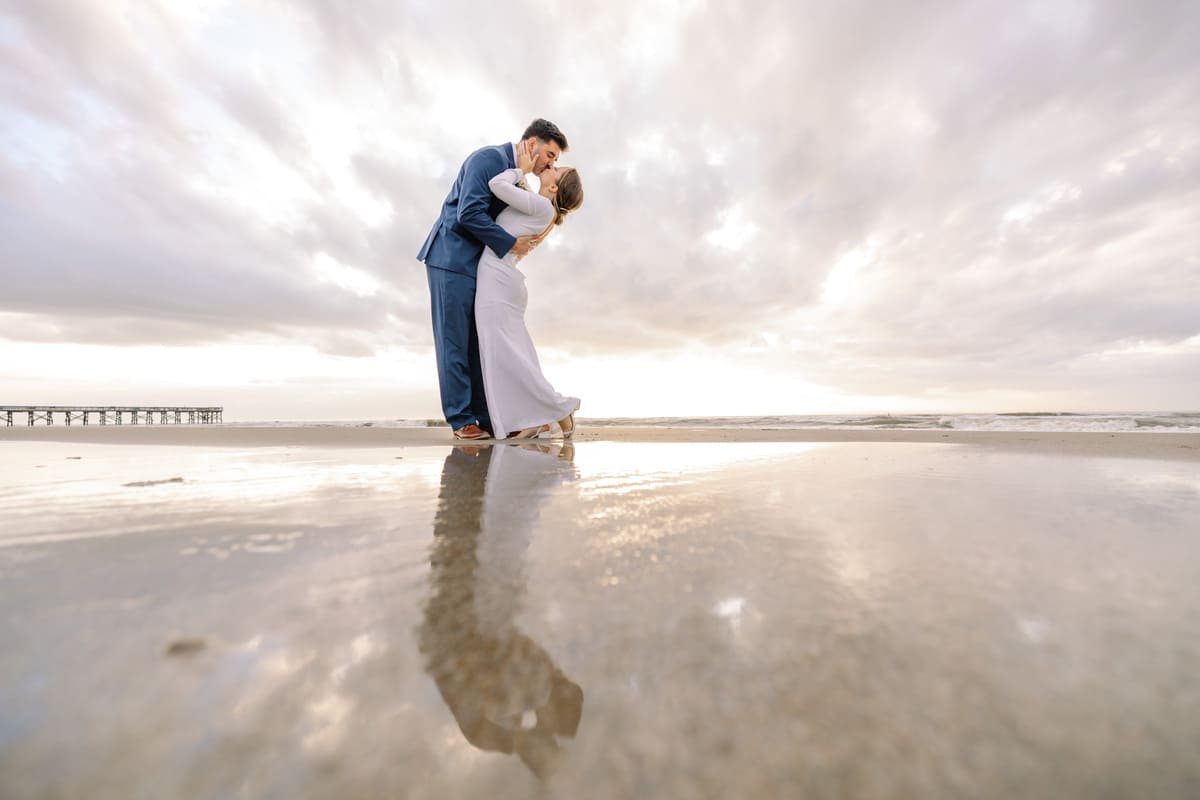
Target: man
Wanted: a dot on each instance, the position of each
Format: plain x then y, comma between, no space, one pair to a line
466,225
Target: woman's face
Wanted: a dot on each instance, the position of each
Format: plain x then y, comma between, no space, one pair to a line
549,179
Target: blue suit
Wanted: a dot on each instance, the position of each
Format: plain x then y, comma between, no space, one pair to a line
451,254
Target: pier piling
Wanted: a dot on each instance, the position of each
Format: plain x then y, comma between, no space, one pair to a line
114,415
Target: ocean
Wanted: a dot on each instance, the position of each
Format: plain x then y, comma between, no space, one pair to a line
1188,421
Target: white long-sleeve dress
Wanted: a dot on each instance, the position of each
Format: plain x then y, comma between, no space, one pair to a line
518,394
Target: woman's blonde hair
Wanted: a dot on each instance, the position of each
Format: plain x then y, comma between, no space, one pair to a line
570,194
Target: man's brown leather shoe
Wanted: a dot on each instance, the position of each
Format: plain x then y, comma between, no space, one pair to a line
471,431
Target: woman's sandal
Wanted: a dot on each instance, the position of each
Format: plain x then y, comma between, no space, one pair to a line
525,433
551,431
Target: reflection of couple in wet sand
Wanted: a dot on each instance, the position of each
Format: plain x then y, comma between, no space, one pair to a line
488,371
503,688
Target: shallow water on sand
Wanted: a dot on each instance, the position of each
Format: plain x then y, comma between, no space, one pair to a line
609,620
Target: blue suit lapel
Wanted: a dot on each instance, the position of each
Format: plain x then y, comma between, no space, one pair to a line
495,204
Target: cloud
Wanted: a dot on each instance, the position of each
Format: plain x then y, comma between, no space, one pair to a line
1013,184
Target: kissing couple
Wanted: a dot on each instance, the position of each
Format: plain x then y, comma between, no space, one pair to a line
488,371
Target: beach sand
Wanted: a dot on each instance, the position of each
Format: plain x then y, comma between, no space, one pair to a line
203,612
1140,444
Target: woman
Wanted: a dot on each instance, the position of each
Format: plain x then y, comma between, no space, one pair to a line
521,402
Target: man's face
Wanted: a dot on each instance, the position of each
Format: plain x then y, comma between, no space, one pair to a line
544,154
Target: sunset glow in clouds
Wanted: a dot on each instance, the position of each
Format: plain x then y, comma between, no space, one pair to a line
790,207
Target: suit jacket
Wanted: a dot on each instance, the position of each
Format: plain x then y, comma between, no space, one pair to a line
468,219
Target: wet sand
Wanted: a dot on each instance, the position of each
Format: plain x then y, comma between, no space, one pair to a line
1138,444
381,614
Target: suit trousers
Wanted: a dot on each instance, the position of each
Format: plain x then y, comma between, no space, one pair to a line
460,373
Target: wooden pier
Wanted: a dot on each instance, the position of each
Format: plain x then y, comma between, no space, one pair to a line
115,415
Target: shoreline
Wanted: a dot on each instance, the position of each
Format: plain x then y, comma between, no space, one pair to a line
1173,445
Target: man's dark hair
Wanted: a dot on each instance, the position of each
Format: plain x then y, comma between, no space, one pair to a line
547,131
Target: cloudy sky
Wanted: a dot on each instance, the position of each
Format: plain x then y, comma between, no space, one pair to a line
792,207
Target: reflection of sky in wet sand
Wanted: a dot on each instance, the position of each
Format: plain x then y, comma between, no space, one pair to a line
872,620
216,484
